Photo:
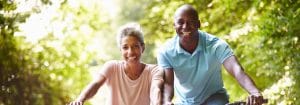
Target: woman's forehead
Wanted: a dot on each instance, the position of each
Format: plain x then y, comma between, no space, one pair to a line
130,39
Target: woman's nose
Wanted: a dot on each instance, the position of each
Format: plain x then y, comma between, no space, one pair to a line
130,51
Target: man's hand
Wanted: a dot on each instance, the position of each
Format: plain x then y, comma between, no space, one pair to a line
255,99
168,103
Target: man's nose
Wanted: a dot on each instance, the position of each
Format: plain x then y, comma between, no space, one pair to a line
185,25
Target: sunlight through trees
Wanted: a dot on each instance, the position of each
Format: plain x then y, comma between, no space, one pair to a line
51,49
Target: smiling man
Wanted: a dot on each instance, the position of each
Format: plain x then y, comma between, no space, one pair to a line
193,59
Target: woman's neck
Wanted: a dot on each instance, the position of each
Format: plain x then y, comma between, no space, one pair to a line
133,71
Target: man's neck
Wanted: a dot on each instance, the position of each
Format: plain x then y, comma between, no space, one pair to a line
190,45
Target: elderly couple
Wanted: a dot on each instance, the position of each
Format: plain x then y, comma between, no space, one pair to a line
189,64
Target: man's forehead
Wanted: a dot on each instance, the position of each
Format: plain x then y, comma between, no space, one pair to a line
186,11
185,15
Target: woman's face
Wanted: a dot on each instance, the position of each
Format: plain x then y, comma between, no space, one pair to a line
131,49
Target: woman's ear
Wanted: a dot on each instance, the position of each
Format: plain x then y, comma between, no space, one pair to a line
119,47
143,48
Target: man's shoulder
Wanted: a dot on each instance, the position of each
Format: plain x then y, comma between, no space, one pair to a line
211,40
169,45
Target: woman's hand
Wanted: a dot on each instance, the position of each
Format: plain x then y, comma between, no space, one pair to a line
76,103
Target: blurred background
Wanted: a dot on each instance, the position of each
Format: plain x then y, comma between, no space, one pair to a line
51,49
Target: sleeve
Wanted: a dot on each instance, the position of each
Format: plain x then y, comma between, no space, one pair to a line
107,69
223,51
157,73
162,60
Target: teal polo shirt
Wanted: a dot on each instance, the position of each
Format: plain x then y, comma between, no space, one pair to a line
197,75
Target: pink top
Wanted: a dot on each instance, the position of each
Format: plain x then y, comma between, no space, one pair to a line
123,90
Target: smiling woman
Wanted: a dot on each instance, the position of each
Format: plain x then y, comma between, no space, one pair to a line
130,81
131,42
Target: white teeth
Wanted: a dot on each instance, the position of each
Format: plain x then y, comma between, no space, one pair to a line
186,33
131,58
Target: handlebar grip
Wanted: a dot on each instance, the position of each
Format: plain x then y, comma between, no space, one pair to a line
265,100
243,102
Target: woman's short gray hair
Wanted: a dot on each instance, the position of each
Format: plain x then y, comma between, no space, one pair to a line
130,29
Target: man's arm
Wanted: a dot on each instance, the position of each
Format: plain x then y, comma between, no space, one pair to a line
89,91
168,86
233,66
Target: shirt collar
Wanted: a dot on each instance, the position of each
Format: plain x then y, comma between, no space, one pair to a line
199,46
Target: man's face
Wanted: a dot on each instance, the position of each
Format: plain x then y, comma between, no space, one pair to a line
186,24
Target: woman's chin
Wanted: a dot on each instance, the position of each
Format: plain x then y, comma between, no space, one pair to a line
132,61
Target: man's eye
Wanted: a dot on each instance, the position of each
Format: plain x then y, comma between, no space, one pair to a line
180,22
192,21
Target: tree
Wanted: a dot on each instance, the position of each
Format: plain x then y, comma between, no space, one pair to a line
48,52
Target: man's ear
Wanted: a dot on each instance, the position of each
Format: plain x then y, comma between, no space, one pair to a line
198,24
173,24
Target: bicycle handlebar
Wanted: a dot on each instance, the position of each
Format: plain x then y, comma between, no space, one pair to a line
243,102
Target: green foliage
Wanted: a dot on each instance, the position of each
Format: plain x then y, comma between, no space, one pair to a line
52,63
7,5
54,68
13,66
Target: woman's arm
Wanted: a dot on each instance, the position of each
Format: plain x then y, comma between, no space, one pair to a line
89,91
233,66
157,83
156,92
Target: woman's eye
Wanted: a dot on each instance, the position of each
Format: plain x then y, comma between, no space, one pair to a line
124,47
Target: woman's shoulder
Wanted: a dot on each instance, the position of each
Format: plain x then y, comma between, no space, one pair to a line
112,64
153,68
155,71
110,67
